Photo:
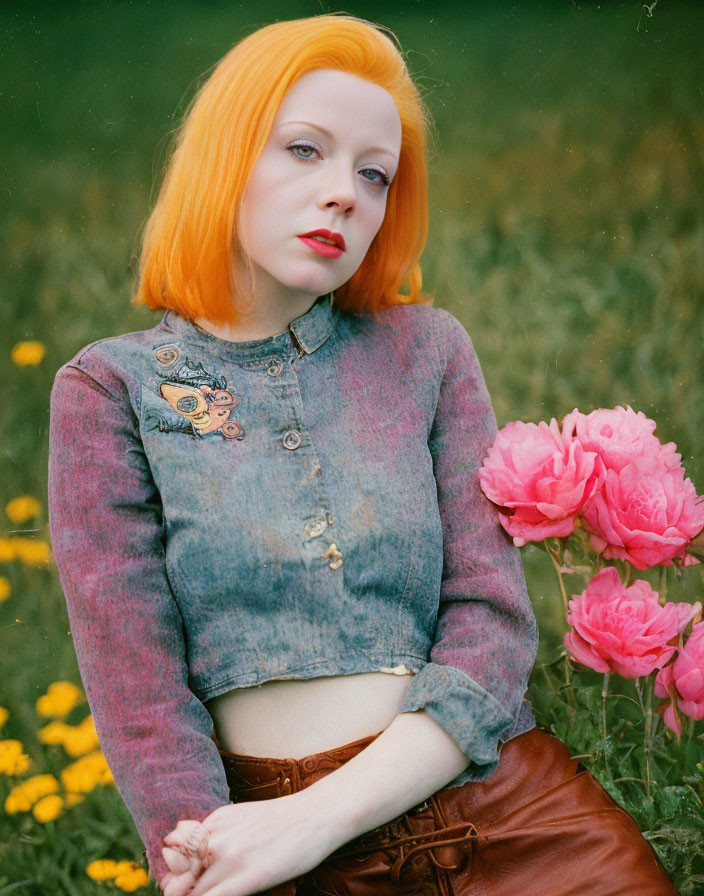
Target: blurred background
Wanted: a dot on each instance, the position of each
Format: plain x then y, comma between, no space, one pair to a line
567,234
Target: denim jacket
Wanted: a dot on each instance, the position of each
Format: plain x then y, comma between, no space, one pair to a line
227,513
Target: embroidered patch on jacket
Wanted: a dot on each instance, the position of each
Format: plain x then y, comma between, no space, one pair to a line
167,355
201,399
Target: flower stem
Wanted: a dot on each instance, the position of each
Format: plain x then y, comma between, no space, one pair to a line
604,694
639,691
649,732
662,596
627,577
572,708
556,563
557,558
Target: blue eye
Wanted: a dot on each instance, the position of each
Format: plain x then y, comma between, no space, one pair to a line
378,176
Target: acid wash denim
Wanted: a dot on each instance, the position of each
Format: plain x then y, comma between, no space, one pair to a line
227,513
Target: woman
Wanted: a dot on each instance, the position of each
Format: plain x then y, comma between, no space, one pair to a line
284,585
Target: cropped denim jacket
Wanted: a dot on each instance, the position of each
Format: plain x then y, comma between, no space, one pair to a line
227,513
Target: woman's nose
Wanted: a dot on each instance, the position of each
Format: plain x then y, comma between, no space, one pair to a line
339,190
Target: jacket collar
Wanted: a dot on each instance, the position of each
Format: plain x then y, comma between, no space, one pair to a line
309,331
313,328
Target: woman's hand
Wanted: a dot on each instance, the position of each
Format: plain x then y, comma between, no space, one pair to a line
249,847
186,856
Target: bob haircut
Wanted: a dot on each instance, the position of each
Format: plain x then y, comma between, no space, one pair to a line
191,238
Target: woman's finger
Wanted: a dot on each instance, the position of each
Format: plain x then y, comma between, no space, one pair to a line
176,839
179,884
176,860
197,842
182,830
186,833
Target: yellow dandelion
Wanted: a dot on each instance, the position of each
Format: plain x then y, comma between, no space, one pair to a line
28,353
22,764
10,748
23,508
72,799
81,739
102,869
125,866
7,550
60,698
25,794
32,552
78,780
77,740
53,733
106,869
5,588
16,801
4,716
86,773
12,760
48,808
40,785
132,880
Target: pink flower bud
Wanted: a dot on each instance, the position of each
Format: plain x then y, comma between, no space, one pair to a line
687,676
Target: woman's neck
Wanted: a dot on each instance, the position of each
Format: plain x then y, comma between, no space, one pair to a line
260,322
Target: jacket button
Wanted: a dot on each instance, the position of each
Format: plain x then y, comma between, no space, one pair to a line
292,439
275,367
334,556
315,528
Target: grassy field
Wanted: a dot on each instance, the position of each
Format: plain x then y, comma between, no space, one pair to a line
567,233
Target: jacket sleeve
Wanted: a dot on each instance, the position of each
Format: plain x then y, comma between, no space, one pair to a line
106,526
486,636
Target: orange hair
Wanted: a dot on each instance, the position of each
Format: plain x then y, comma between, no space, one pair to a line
191,235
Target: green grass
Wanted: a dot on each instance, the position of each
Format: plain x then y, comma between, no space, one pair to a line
567,233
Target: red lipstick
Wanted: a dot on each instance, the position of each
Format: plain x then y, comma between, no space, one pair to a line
328,250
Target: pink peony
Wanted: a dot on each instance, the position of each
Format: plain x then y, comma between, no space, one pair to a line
686,677
540,478
620,436
646,513
623,630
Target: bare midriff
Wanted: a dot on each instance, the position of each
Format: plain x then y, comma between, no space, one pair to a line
292,718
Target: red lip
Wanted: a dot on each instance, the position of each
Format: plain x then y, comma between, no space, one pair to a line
329,235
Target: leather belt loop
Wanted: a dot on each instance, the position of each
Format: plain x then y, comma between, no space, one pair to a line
289,778
467,835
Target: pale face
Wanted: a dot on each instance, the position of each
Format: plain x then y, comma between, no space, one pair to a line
332,152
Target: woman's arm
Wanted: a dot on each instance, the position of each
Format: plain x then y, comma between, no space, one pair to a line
486,636
107,538
410,760
471,692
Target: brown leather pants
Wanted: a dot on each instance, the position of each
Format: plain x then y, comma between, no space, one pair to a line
539,826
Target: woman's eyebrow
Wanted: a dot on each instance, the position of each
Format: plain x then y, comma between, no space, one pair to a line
327,133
